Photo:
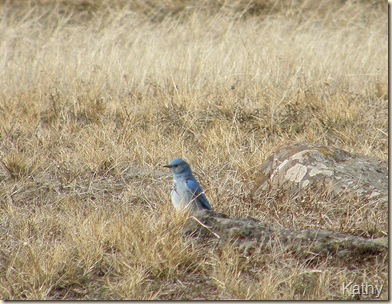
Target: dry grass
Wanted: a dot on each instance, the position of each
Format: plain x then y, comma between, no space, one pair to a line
95,98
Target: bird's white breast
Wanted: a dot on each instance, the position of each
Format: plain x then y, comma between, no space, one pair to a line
180,195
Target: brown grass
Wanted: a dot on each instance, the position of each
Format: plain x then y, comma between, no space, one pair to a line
95,98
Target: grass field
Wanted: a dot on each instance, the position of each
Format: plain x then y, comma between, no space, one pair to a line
95,98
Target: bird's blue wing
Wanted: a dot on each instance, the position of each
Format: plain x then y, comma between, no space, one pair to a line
197,193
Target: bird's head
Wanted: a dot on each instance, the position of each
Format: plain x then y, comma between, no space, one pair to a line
178,166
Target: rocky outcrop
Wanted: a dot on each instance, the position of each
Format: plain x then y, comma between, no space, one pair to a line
298,167
318,167
249,235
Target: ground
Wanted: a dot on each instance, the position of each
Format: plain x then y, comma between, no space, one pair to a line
96,97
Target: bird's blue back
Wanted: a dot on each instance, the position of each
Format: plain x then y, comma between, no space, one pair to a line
197,193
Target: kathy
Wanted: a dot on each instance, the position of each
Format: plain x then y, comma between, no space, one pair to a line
362,289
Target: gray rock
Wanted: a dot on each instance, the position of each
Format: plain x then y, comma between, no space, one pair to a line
318,167
249,235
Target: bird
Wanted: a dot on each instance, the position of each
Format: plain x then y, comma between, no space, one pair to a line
186,193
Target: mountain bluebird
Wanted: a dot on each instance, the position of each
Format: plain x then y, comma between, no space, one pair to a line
186,193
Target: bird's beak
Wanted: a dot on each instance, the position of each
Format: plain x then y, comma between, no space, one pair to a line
166,166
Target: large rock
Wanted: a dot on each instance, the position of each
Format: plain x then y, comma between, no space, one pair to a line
249,235
308,166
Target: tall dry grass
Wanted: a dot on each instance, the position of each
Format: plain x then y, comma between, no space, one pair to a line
95,98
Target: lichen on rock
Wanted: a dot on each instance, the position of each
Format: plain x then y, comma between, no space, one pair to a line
304,165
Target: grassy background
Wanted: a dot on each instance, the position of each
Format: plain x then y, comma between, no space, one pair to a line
94,98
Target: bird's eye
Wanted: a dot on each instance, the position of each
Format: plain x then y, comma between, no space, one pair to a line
175,166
